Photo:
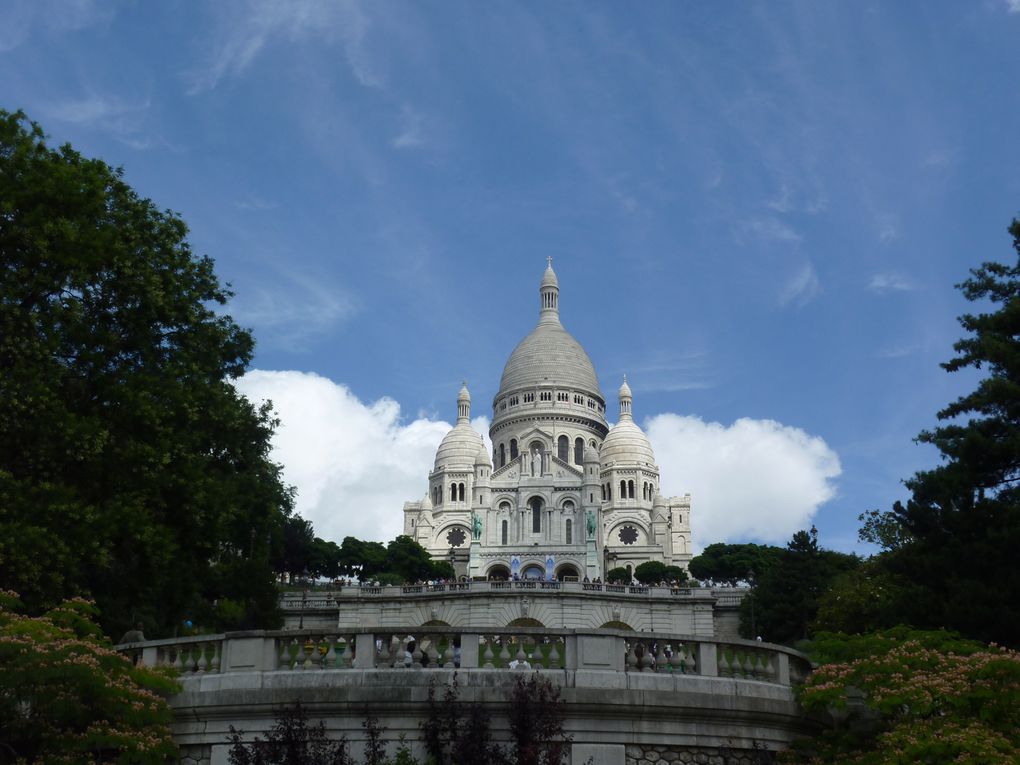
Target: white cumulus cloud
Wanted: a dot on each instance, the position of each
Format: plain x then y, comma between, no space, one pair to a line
753,480
353,464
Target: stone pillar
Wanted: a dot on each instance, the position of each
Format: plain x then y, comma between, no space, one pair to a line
708,660
364,651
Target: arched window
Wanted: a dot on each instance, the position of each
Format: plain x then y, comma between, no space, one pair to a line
536,515
623,490
502,455
630,489
513,448
568,506
570,531
440,487
453,492
503,532
461,492
603,492
609,492
578,451
563,444
592,443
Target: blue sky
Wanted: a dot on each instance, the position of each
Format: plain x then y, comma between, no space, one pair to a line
757,210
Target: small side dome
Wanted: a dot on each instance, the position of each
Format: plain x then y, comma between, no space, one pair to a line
591,455
482,459
459,447
426,504
626,442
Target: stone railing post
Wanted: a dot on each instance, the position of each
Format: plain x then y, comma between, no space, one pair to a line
255,653
783,668
469,651
364,651
150,656
708,659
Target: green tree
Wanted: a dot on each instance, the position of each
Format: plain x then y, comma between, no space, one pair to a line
733,563
953,544
618,575
785,599
864,599
131,470
653,572
902,697
291,741
65,696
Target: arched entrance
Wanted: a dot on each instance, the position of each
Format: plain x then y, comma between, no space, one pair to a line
499,572
533,571
567,570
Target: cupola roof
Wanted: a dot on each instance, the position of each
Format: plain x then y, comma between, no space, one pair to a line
549,355
626,443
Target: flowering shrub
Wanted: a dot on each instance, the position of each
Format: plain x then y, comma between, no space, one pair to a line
913,698
67,697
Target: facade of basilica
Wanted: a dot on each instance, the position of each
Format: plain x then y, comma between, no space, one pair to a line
562,495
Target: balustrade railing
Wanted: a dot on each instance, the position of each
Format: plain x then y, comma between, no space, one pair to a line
508,648
329,599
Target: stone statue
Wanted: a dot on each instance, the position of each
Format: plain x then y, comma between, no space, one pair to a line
476,526
590,523
536,462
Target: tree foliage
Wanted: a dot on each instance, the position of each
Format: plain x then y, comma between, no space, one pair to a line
653,572
291,741
131,470
732,563
903,697
66,697
786,597
967,509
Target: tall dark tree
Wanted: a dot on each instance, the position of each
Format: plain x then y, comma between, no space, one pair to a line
131,470
956,539
785,599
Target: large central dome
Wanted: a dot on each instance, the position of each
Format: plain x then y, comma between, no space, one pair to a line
549,355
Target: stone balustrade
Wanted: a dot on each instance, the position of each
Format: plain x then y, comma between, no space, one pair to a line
649,693
312,599
508,648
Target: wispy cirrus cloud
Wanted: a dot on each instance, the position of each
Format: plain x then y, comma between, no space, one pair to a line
124,119
801,288
1013,6
246,28
292,310
890,282
19,18
411,133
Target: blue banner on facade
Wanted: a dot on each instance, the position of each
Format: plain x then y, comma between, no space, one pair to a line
550,568
515,566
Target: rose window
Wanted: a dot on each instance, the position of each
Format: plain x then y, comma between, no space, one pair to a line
456,537
628,535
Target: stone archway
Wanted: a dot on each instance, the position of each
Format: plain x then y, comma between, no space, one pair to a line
565,570
533,571
498,572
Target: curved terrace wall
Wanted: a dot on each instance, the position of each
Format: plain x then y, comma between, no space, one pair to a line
630,697
698,611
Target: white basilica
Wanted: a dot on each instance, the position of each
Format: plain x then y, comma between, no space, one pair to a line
563,495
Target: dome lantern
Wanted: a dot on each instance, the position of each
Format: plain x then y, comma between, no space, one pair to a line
464,404
549,293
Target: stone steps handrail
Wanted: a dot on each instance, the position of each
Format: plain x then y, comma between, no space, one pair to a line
507,648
